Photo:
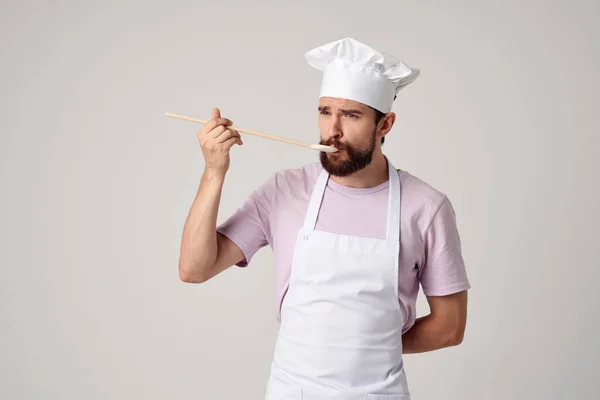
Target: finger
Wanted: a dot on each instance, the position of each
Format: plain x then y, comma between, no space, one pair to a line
218,131
241,142
237,136
229,133
226,145
216,115
223,121
213,123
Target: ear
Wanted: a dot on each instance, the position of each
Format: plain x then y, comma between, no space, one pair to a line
386,124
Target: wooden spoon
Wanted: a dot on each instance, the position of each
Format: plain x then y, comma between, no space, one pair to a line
319,147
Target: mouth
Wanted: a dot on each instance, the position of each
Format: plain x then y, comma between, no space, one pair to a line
338,147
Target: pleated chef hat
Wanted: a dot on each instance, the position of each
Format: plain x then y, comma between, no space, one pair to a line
352,70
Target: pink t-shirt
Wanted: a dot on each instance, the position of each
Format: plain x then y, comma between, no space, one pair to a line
430,247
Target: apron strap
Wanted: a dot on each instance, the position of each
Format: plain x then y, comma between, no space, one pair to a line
314,205
393,220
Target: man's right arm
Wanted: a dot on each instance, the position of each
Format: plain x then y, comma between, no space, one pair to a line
205,252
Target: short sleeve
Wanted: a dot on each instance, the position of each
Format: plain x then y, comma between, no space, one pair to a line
249,227
443,271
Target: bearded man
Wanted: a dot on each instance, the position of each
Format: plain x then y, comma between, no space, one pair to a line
354,239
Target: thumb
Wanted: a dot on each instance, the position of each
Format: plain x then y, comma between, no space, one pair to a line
216,113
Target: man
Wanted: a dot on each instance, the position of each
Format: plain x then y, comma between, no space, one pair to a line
353,238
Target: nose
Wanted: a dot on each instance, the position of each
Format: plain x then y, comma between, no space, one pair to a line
335,129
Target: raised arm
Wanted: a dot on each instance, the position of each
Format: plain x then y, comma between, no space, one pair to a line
205,252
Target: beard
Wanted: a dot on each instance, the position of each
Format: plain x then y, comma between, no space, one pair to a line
350,159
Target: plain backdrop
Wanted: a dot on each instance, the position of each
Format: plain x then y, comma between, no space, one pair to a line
96,183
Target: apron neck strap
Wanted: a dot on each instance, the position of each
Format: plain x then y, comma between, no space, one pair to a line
393,219
314,205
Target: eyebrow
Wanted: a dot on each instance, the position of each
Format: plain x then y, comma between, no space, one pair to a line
351,111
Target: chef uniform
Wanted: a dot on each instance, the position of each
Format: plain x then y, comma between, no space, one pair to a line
340,336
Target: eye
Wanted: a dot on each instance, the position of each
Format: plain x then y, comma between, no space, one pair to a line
324,112
352,115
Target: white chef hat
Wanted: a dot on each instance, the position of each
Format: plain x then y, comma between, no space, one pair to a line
355,71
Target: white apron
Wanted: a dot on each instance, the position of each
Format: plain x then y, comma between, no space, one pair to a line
341,324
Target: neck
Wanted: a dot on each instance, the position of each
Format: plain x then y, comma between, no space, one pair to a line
372,175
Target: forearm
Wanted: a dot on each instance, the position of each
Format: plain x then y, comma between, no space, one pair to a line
199,239
427,334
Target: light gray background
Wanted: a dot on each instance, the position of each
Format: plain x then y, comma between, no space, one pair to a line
96,183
